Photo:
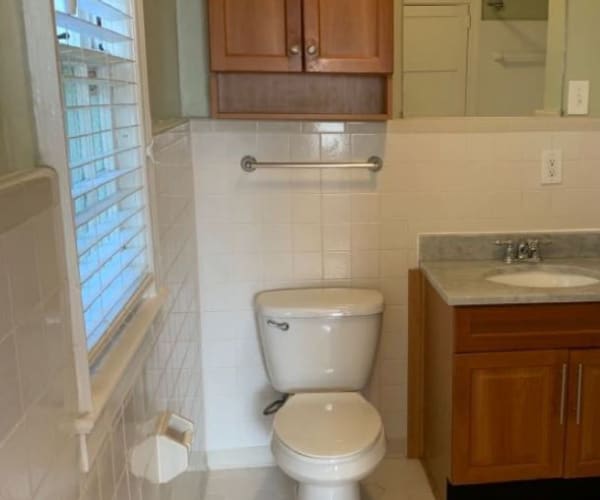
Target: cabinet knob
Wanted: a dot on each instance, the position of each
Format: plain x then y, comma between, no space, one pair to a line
295,50
311,50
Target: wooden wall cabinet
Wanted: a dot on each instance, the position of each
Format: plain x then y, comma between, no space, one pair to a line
349,37
256,35
301,58
510,393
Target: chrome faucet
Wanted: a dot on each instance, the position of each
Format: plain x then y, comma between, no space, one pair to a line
509,255
525,250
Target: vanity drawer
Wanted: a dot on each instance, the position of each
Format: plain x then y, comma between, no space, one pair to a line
526,326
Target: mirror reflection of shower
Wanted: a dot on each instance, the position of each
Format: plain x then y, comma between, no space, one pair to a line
493,60
496,4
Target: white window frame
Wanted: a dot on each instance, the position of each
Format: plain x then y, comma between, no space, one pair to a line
108,332
93,390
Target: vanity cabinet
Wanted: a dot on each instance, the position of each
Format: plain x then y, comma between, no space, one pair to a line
509,393
313,59
583,444
507,422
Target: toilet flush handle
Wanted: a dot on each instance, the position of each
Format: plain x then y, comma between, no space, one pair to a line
284,327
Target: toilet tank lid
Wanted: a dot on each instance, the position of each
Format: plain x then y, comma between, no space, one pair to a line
319,302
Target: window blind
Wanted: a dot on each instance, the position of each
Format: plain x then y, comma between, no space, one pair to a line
102,119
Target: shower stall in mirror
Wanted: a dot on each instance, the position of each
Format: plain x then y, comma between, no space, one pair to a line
481,57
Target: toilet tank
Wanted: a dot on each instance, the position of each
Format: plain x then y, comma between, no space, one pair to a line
319,339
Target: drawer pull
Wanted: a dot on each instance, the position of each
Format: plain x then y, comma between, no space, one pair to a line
563,394
579,392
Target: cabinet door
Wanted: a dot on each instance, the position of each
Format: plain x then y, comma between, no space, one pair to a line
583,434
255,35
508,416
349,36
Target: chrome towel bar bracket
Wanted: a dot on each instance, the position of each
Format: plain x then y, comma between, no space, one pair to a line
250,164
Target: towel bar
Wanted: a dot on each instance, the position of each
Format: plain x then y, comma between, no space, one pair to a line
251,164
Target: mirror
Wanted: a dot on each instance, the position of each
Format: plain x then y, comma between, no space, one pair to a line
479,57
17,127
496,57
453,57
581,55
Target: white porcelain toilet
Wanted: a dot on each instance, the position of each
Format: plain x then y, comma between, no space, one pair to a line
319,346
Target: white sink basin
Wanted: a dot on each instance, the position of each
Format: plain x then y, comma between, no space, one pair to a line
544,277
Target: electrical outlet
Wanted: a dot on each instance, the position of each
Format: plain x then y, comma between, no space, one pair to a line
552,166
579,97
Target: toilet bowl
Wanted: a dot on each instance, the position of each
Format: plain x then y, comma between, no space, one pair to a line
328,442
319,345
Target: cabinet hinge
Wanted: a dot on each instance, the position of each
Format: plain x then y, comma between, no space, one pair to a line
468,21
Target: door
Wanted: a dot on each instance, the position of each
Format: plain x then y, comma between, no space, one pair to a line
583,434
256,35
509,416
349,36
435,54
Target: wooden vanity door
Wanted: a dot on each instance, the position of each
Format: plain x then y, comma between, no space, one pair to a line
256,35
583,435
508,416
349,36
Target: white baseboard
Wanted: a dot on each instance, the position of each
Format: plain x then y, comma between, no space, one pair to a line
240,458
198,461
396,448
261,456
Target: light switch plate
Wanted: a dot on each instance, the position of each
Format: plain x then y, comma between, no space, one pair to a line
552,166
579,97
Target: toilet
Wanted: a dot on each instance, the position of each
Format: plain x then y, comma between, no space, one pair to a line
319,346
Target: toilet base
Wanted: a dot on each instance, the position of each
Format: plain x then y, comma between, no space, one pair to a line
328,479
350,491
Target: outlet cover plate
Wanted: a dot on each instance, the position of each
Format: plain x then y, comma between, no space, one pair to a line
552,166
579,98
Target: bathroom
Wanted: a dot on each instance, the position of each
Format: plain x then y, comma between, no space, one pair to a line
137,105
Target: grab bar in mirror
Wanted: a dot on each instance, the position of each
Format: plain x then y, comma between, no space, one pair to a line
519,58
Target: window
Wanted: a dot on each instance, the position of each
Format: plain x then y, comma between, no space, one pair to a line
102,118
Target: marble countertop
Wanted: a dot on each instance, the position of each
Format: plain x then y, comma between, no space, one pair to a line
463,282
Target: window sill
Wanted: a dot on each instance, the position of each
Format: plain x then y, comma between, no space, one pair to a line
112,370
162,126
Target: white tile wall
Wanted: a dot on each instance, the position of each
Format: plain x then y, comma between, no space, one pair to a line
171,377
38,454
286,228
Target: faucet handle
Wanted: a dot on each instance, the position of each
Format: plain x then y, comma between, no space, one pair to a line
510,250
537,242
534,248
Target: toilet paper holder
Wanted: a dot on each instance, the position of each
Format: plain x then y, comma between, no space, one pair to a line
164,452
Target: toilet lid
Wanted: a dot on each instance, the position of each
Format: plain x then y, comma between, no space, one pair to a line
326,425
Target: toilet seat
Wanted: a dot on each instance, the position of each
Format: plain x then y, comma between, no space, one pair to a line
327,425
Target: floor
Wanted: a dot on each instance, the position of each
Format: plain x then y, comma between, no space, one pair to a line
394,479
